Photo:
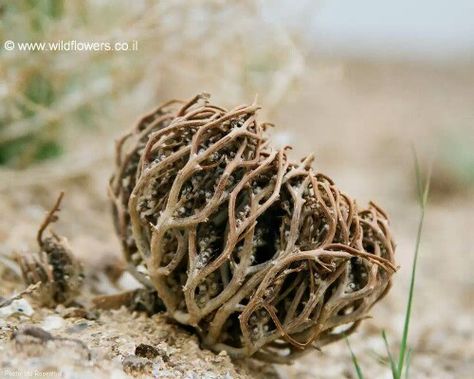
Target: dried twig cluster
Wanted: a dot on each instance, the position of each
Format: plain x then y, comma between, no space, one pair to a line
262,255
59,274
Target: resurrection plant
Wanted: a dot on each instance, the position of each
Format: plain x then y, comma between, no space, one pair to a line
54,267
263,256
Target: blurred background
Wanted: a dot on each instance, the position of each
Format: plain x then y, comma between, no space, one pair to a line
359,83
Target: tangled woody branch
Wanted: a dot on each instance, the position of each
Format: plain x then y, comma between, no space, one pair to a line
263,256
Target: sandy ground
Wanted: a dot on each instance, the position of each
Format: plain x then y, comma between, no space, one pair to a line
361,120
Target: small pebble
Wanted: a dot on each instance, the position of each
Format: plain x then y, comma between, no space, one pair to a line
17,307
52,323
146,351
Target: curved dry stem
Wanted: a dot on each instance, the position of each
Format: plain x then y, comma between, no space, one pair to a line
50,218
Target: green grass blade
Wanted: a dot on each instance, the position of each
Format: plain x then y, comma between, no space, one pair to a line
393,366
418,177
423,190
355,361
408,361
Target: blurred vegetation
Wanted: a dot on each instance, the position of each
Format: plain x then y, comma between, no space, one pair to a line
453,171
36,90
458,155
51,100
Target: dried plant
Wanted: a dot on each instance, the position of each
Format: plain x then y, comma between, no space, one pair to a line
140,299
263,256
55,267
